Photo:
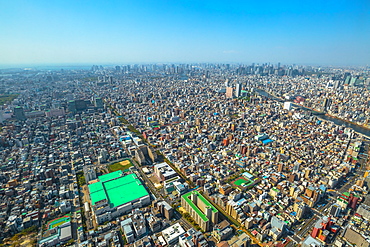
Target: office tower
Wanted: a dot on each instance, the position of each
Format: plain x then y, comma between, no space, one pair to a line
337,84
99,103
347,79
301,210
229,92
71,105
335,210
316,231
227,83
327,103
238,90
80,105
19,113
76,105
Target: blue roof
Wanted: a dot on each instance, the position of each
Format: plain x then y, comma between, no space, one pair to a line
267,141
241,201
323,188
247,175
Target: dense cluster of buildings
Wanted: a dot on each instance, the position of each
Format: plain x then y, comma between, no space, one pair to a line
341,94
227,149
44,146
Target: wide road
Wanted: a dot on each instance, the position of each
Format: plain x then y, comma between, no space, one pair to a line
149,184
147,181
307,227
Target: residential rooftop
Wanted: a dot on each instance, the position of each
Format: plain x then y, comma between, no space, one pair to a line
195,207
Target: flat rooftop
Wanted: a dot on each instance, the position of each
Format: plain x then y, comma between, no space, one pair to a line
173,232
195,207
117,189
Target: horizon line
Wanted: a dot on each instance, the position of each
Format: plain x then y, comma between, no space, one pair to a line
84,64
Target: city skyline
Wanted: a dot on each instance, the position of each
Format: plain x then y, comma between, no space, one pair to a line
185,155
68,32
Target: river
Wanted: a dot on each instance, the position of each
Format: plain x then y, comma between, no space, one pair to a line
357,128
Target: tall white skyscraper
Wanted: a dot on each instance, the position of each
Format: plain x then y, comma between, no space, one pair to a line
238,90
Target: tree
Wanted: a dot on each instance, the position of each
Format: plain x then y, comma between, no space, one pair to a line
81,179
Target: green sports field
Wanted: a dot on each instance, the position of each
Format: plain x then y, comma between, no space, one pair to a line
241,182
59,221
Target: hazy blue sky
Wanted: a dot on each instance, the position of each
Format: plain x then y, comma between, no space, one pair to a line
322,32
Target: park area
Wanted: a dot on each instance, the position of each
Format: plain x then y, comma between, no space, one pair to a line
27,237
122,165
6,98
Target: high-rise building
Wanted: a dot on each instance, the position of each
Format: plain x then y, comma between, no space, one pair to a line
19,113
301,209
229,92
307,173
353,81
352,201
327,103
80,105
89,173
71,105
164,208
335,210
238,90
200,209
287,106
347,79
321,225
316,231
99,103
198,121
